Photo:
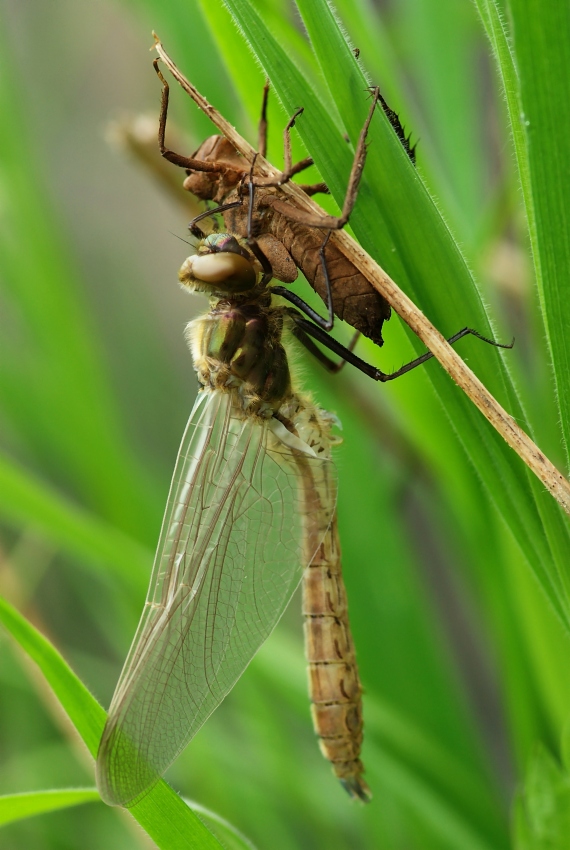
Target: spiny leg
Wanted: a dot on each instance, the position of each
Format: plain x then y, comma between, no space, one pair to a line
302,329
289,169
331,223
452,340
172,156
398,128
305,328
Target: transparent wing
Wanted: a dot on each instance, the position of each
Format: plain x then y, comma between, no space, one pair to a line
248,506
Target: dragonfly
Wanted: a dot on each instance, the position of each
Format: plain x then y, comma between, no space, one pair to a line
251,510
250,513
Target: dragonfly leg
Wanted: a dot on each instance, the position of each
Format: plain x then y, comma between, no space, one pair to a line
452,340
172,156
330,365
328,323
289,170
398,128
302,328
309,329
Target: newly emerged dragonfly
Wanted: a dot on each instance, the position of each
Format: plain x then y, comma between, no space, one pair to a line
251,507
251,510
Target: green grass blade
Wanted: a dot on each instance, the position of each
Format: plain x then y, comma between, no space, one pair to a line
14,807
531,65
83,710
162,813
448,830
247,74
541,42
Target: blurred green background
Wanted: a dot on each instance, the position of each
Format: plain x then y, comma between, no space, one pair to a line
462,659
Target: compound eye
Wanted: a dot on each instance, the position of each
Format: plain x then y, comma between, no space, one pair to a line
221,243
222,270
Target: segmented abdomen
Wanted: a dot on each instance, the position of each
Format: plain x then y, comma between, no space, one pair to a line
334,685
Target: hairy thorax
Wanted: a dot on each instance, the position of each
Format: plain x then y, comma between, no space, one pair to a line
237,348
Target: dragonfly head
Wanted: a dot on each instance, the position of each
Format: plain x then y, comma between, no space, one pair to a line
220,264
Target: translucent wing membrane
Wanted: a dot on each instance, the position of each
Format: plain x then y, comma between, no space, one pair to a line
249,504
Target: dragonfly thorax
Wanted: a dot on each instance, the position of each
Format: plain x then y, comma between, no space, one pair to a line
237,348
220,265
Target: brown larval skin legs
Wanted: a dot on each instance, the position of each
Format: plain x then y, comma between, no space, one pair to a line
289,238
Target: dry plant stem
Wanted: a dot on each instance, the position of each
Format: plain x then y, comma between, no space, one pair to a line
506,426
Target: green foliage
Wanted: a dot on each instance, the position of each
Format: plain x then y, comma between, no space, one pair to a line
542,810
455,559
162,813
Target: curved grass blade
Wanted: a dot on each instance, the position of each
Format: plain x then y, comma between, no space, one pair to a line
231,838
163,814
